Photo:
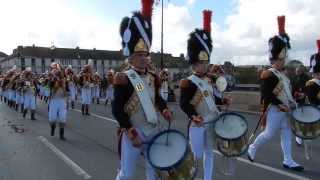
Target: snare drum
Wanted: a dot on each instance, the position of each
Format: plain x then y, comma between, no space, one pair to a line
305,121
231,134
172,160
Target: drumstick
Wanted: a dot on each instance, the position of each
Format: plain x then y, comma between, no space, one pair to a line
168,133
258,125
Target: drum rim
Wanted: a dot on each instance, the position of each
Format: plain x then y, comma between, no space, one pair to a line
303,137
306,122
238,155
175,164
231,113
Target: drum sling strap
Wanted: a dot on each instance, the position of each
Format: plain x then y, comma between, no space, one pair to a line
286,86
317,81
205,91
143,95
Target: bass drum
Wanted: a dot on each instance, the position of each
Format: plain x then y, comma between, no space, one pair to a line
231,134
305,121
169,153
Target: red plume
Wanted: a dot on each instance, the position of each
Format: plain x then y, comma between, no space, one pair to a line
281,24
147,8
318,44
207,20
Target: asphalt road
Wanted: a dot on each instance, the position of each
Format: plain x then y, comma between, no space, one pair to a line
90,151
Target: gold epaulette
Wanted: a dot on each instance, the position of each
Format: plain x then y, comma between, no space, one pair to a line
184,83
120,78
265,74
309,83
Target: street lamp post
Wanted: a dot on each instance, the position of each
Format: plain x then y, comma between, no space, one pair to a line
161,34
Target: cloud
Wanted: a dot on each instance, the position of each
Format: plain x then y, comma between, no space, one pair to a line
190,2
242,39
42,22
253,22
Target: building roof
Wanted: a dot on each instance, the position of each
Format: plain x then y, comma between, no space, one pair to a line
66,53
3,54
77,53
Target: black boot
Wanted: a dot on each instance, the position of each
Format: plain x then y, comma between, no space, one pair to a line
98,101
17,107
82,109
72,104
21,108
32,114
25,111
53,128
62,134
87,110
106,103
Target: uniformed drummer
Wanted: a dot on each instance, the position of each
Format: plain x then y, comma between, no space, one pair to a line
137,101
109,88
197,99
71,85
313,85
58,97
277,99
29,93
86,84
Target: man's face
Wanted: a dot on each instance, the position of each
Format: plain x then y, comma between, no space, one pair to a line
200,68
139,60
316,75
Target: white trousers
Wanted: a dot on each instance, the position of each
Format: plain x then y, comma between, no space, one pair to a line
109,93
12,95
129,159
29,101
57,110
96,92
19,98
202,147
72,93
275,120
86,95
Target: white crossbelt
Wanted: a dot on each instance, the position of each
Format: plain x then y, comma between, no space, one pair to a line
143,95
205,90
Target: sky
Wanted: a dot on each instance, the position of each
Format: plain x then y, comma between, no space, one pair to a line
240,28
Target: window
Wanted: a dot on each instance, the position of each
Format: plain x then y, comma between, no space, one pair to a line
102,66
33,64
23,64
43,65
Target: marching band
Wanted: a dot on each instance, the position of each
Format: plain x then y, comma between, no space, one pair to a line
139,95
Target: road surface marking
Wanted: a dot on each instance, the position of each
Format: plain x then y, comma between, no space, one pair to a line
77,169
98,116
269,168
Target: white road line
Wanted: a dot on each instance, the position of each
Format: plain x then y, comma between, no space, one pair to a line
77,169
262,166
269,168
98,116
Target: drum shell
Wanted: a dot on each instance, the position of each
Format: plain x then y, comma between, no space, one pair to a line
232,147
185,170
305,130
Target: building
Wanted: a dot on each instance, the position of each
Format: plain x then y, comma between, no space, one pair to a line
2,56
40,58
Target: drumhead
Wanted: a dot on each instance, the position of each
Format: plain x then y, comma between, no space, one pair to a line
166,156
230,126
306,114
221,83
